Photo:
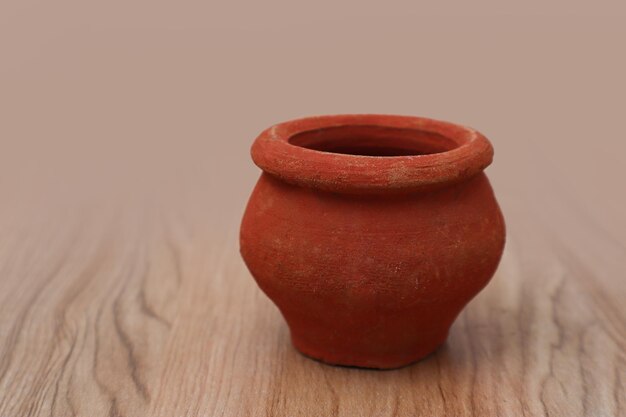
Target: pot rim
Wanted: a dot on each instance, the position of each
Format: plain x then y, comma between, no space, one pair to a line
273,152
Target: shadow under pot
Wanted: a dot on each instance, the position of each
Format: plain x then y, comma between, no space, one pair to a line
371,233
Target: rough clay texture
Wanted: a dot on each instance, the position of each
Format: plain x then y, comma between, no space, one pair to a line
371,280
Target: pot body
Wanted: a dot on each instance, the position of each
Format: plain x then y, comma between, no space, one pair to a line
371,280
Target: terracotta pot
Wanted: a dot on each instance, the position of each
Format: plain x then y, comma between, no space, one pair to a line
371,233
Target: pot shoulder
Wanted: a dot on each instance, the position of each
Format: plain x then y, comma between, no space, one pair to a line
391,250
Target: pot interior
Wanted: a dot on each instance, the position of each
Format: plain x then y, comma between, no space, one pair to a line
372,140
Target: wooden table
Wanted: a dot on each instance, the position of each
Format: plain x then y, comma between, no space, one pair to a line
124,172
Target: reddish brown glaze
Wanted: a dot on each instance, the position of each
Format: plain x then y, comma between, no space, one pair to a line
371,233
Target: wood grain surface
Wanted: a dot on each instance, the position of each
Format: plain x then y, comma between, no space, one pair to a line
124,172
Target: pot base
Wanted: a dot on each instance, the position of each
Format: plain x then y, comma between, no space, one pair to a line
369,361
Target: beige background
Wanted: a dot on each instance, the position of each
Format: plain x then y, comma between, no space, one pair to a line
162,87
124,170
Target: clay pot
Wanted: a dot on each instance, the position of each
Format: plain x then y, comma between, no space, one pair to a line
371,233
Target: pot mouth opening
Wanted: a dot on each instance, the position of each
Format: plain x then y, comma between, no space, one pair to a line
371,154
372,141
